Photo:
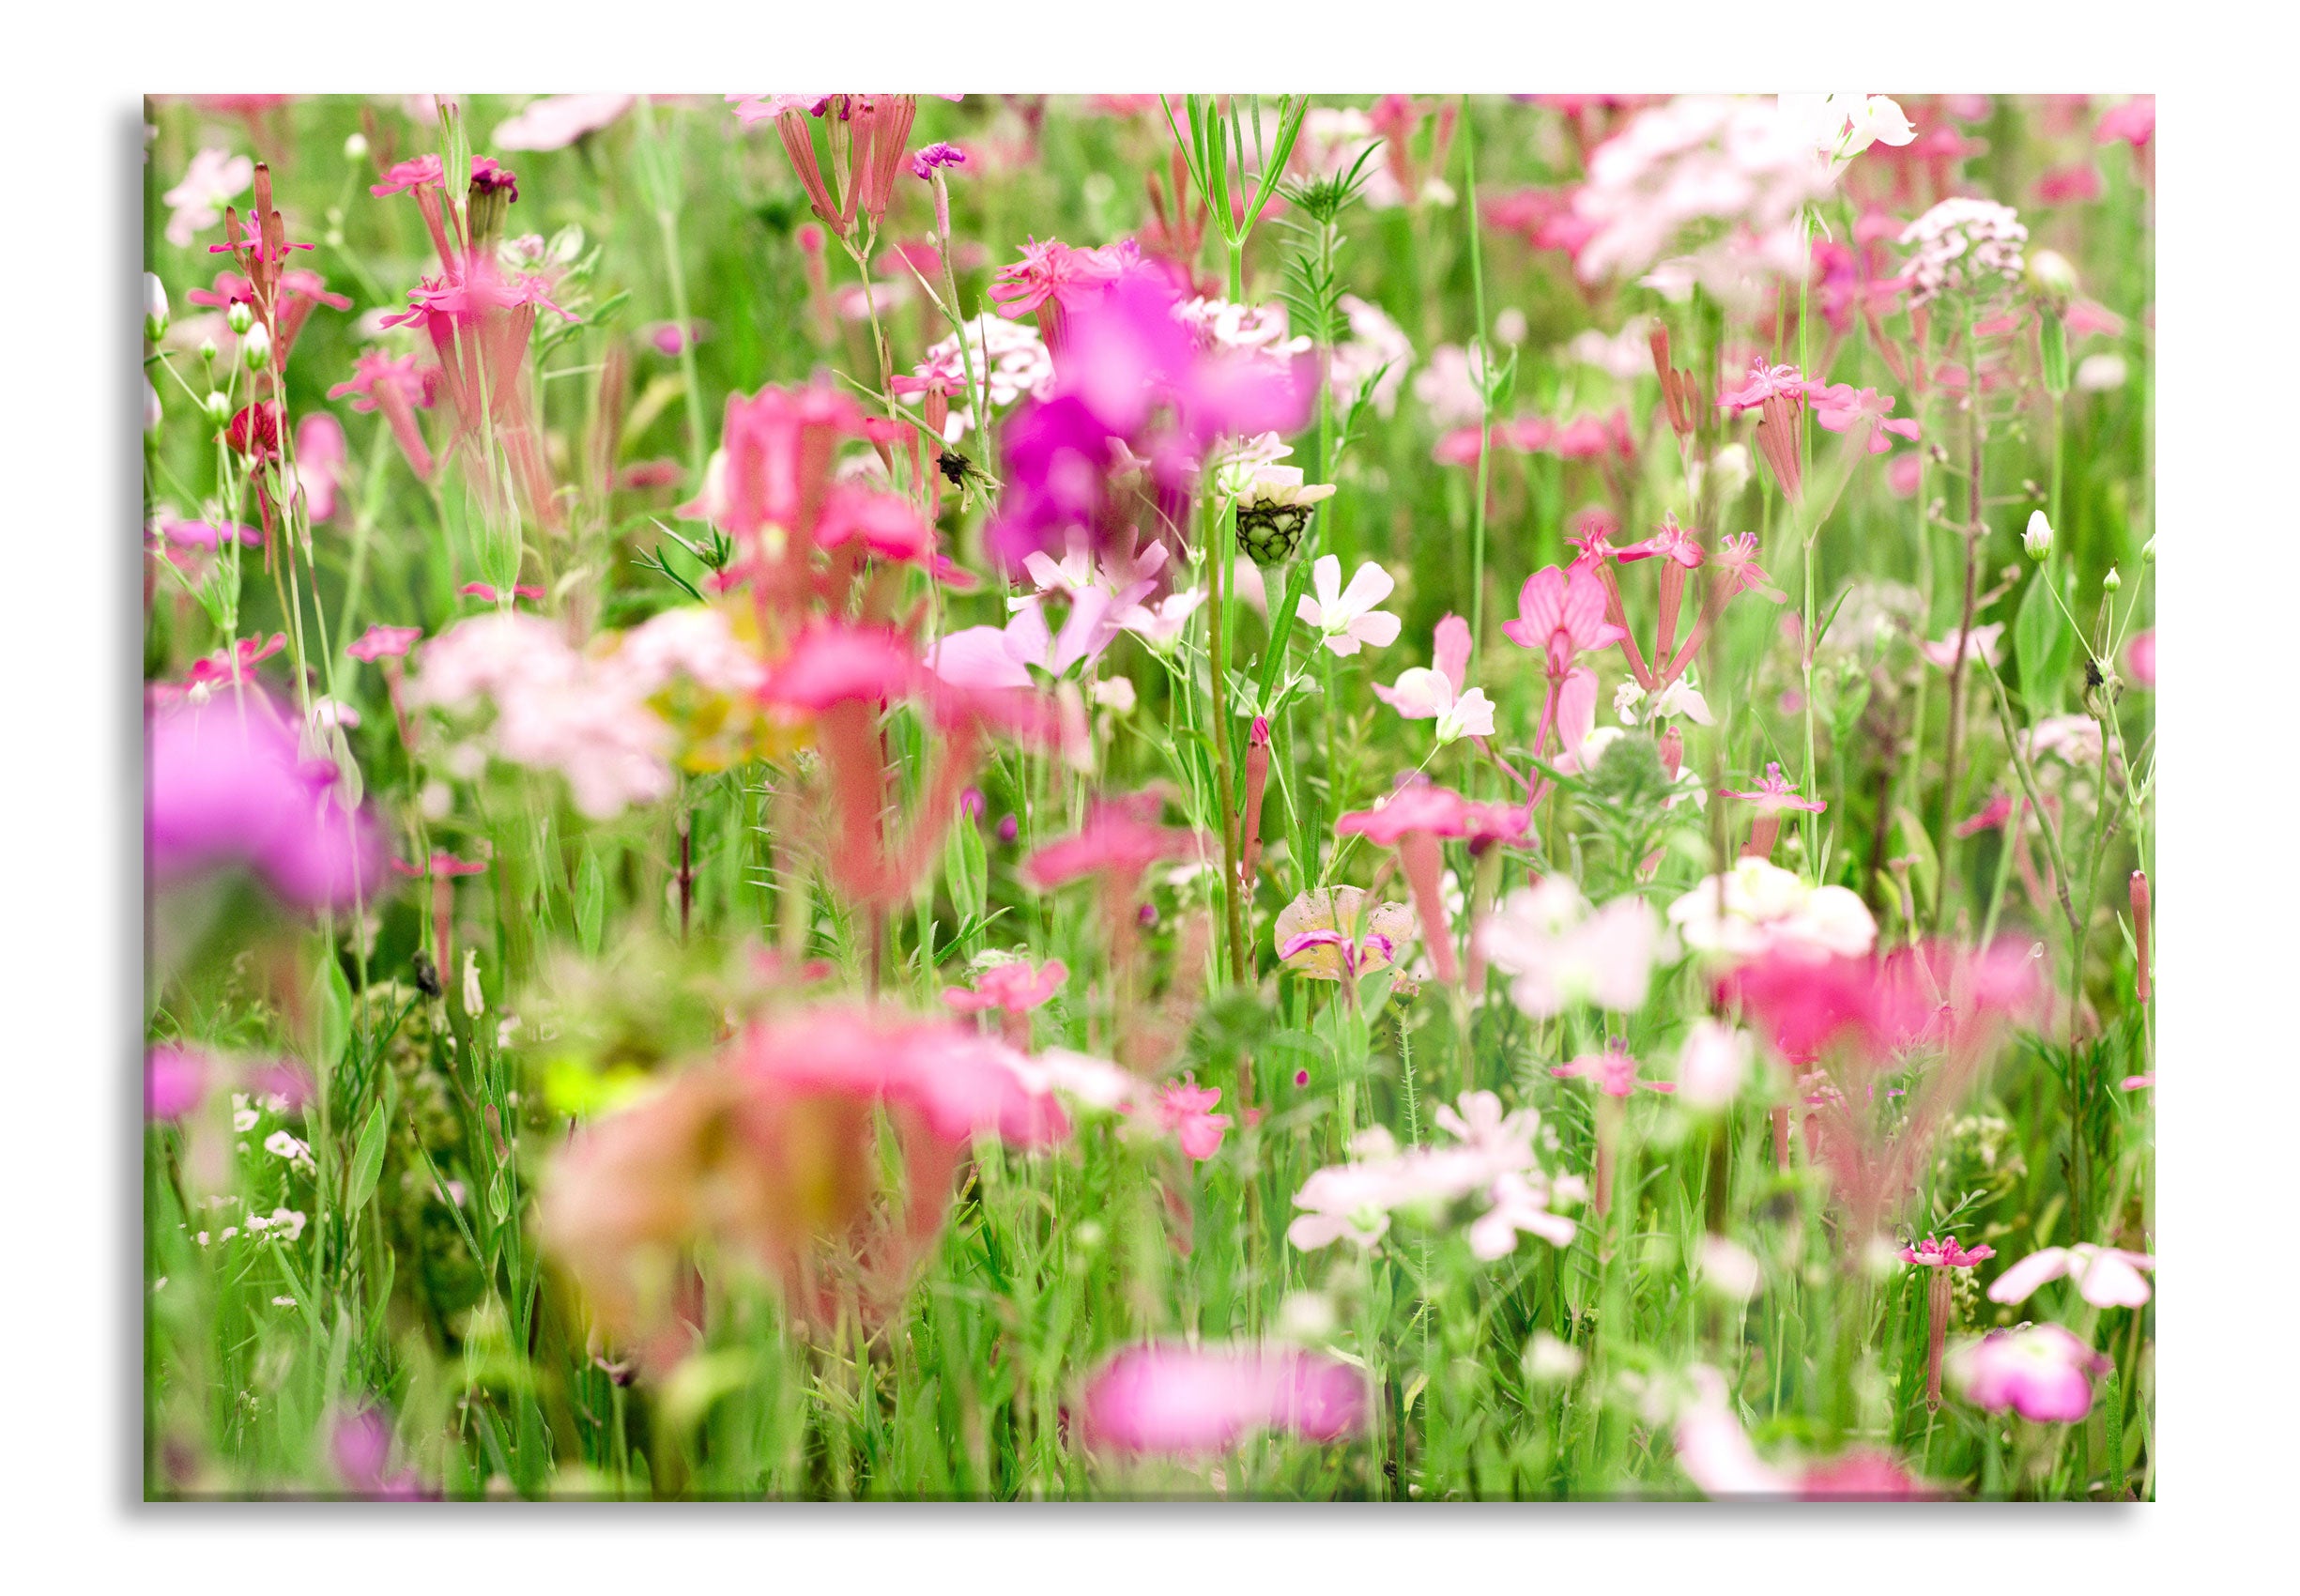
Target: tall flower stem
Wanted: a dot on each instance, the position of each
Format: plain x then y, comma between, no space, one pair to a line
1972,531
1218,670
1813,532
1486,387
664,183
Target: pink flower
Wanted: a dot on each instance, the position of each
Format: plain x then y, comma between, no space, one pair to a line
1839,408
1185,1109
1991,816
1766,382
2075,184
1672,543
1014,989
393,385
1946,1254
360,1448
1736,570
1614,1071
2041,1371
485,591
1560,616
379,642
2107,1277
1194,1401
1120,839
557,120
175,1080
1773,794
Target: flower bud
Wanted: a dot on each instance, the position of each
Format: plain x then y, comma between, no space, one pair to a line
1729,469
207,351
2051,278
2109,583
151,406
355,147
2148,551
2037,540
255,348
239,318
217,404
154,309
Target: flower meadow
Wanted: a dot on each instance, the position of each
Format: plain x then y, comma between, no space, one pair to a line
1262,798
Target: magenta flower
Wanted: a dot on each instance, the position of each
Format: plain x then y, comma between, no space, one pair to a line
2107,1277
1560,616
2041,1371
1185,1109
1195,1400
1672,543
1120,841
380,642
923,162
1765,382
1412,820
175,1080
360,1448
224,785
1946,1254
393,384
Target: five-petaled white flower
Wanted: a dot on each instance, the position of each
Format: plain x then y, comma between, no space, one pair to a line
1348,620
1435,692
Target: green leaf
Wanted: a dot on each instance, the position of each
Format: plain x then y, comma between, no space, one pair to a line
590,898
367,1160
331,994
2042,644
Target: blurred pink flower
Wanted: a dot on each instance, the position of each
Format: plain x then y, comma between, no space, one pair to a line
1614,1071
1560,953
1435,692
2107,1277
557,120
1716,1455
1185,1109
320,462
175,1080
1194,1401
224,784
1840,408
1120,839
378,642
1014,989
2141,659
393,384
360,1448
2134,122
1559,617
2041,1371
1980,643
1773,794
214,178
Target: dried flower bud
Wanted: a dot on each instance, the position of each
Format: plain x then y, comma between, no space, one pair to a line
2037,540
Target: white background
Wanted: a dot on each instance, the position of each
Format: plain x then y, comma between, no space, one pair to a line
69,918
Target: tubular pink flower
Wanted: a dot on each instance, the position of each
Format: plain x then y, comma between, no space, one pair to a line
1191,1401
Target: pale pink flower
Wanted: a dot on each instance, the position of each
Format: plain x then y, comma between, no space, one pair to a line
1773,793
176,1081
1758,908
1435,692
378,642
2141,659
1980,643
1712,1063
1716,1455
2041,1371
214,179
1841,406
2107,1277
1195,1400
557,120
1347,620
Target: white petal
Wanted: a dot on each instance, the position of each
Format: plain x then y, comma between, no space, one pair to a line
2020,1282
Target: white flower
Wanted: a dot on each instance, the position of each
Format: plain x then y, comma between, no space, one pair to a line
280,1145
243,1121
2099,374
1964,246
1712,1063
1449,384
1680,698
1249,472
1549,1361
1758,907
1116,695
1729,1267
1349,620
2037,537
1841,126
1560,954
474,999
